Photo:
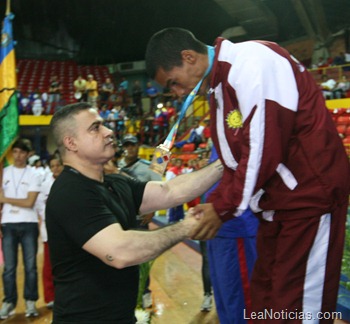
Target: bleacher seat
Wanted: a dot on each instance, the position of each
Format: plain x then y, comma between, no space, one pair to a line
346,142
189,147
344,120
186,157
202,145
341,129
33,74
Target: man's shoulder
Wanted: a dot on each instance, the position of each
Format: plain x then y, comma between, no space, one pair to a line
70,185
144,162
8,168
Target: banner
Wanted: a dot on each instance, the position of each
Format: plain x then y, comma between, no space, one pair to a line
8,82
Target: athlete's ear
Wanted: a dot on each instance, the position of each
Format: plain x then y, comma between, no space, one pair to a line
189,56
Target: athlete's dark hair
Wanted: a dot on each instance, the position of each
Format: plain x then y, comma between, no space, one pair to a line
63,122
164,49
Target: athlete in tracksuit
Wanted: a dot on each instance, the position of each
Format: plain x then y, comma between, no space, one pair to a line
284,159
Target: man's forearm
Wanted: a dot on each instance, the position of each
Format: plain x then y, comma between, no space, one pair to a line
142,246
162,195
24,203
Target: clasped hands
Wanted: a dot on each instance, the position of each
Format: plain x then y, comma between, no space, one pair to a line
208,221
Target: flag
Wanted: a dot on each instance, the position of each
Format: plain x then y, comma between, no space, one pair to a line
8,82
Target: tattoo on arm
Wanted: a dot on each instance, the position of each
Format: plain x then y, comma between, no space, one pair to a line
109,258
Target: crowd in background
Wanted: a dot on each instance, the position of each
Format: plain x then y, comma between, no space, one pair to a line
119,103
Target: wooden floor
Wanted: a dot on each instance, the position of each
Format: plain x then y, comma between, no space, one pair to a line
176,289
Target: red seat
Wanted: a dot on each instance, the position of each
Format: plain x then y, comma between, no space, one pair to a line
343,120
342,129
190,147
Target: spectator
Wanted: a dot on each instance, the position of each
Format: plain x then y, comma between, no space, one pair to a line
160,123
56,168
106,91
92,90
196,135
55,91
104,112
79,85
123,91
137,97
339,59
171,113
344,85
25,106
37,103
152,93
19,227
329,88
116,120
138,168
206,130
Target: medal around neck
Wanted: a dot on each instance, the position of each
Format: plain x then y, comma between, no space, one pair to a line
162,152
161,157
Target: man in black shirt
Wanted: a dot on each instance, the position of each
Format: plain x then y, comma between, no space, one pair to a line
90,216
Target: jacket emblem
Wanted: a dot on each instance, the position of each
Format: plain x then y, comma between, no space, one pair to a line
234,119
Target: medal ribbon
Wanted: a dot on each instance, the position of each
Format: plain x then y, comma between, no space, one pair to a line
169,141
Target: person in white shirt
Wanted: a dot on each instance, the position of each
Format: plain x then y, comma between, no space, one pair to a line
56,167
19,227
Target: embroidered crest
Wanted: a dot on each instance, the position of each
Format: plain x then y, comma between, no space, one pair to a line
234,119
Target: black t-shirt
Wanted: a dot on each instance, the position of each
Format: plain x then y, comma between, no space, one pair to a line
86,289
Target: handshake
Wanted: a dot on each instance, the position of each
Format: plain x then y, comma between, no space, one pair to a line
203,222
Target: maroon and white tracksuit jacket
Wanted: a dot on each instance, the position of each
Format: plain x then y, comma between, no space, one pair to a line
286,145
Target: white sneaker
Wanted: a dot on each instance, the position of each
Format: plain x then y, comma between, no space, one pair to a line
31,310
147,300
207,303
50,304
7,309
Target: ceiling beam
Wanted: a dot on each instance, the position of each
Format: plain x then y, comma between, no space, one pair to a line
255,18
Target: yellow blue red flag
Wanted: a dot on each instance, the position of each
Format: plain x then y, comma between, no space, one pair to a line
8,83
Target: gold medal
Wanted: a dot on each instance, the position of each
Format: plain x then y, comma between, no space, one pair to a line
160,160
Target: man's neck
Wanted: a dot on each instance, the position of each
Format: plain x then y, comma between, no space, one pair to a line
94,172
19,166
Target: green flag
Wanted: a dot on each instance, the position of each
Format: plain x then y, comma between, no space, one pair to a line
8,97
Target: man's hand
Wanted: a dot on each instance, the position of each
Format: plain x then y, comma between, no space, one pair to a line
209,222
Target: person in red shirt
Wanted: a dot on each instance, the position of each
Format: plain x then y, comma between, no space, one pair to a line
171,112
206,130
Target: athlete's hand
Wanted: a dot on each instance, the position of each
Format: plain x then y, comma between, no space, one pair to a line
209,222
